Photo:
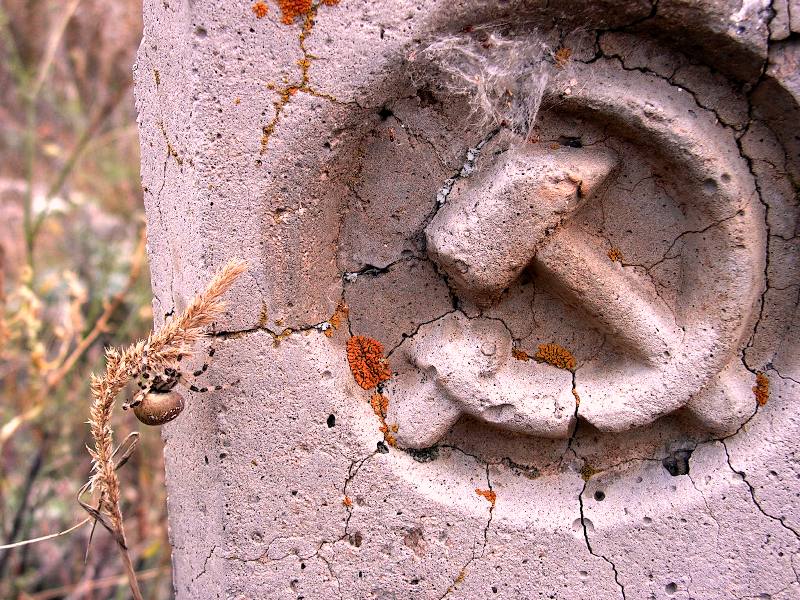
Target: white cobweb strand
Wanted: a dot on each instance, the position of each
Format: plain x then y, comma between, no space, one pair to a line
504,79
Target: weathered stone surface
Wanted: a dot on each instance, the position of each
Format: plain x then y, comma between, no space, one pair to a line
574,230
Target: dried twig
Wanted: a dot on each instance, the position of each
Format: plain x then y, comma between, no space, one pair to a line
163,349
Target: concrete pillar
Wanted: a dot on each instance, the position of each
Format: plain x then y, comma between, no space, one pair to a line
521,318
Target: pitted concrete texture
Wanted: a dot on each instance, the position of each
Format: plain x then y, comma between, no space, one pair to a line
573,230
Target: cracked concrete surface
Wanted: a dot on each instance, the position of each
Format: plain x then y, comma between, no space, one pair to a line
308,150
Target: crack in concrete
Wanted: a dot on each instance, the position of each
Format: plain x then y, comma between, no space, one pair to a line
589,545
752,489
205,564
464,569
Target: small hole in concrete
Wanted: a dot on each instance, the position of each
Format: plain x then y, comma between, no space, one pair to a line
494,589
599,495
382,448
671,588
331,420
385,113
677,463
570,141
709,186
356,539
302,565
294,492
206,459
200,32
583,574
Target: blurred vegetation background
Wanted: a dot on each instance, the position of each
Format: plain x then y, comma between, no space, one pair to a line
72,280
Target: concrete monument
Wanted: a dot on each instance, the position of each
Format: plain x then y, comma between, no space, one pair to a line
521,318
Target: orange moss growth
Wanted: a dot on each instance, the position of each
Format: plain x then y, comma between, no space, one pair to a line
615,254
347,502
291,9
562,57
330,2
338,316
761,389
520,354
556,355
577,398
490,495
260,9
367,363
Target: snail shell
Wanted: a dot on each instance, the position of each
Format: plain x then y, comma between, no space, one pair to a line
157,408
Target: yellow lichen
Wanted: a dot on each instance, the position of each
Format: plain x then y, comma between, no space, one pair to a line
347,502
562,56
577,397
761,389
339,315
615,254
556,355
587,472
263,318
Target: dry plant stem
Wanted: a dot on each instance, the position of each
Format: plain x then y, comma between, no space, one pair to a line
162,349
30,96
54,39
88,134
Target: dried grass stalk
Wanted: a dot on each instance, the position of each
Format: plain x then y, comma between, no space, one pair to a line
162,349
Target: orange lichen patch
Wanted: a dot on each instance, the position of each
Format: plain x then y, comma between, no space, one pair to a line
555,146
291,9
277,338
577,398
367,363
380,405
520,354
260,9
615,254
562,56
761,389
347,502
556,355
337,318
490,495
